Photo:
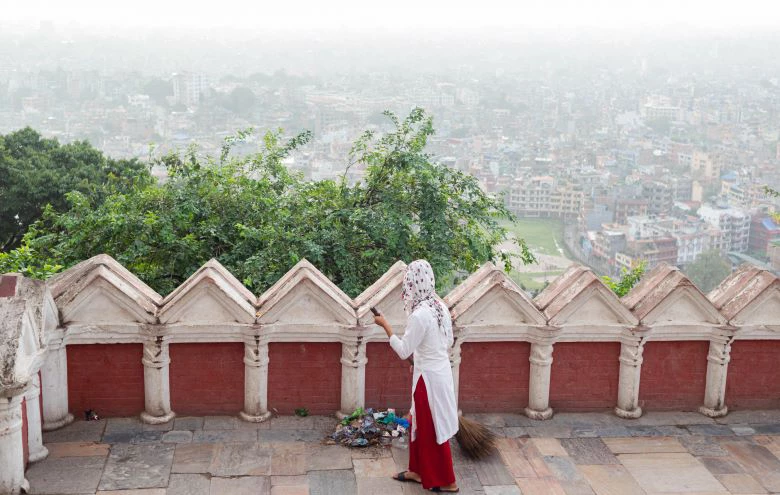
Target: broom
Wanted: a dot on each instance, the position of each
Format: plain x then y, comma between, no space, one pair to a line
475,439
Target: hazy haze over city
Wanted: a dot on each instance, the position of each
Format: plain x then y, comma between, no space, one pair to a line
622,121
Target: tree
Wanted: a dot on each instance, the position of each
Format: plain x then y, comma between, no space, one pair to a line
159,90
35,171
628,279
708,270
240,101
258,219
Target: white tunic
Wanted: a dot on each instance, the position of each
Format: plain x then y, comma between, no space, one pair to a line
430,346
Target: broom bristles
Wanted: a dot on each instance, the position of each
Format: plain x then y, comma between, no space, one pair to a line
475,439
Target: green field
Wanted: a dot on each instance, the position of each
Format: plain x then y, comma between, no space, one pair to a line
526,280
539,233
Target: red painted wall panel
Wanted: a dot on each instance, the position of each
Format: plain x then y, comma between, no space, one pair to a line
388,379
494,376
108,378
207,379
584,376
304,375
754,375
25,433
674,375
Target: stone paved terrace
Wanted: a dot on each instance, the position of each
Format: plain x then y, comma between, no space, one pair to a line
573,453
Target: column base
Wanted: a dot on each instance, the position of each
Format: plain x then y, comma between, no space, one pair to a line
539,415
54,425
25,486
632,414
39,455
157,420
714,413
251,418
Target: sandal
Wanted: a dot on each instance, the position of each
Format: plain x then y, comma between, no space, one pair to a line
402,477
439,489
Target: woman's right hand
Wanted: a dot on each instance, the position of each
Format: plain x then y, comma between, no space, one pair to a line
380,320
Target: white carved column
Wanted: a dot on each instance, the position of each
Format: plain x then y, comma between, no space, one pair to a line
11,449
539,381
353,376
54,383
631,349
255,381
157,389
34,428
717,369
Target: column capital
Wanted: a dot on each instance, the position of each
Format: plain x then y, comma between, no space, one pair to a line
33,390
255,352
156,352
631,350
541,354
353,354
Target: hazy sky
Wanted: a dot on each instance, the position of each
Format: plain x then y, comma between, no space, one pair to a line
398,14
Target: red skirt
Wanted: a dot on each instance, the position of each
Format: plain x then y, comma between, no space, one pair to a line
432,461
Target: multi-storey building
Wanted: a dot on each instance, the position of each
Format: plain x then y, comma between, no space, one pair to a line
545,196
733,222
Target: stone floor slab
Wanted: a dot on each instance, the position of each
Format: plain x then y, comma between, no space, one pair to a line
191,423
220,422
740,483
703,446
137,466
515,460
492,471
588,451
564,470
670,473
635,445
241,459
246,485
753,458
549,446
177,436
294,423
503,490
65,475
610,480
193,458
329,457
334,481
374,468
721,465
540,486
288,463
142,491
379,486
223,436
189,484
77,449
78,431
290,490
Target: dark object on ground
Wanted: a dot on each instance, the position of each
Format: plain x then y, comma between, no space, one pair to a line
90,415
302,412
476,440
367,428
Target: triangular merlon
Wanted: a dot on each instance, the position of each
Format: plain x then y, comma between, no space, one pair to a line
743,291
491,288
462,290
103,278
224,287
377,292
579,290
296,279
654,298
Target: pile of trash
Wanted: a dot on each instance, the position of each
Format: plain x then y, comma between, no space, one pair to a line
369,427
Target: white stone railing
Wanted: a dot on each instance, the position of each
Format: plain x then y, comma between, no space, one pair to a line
99,302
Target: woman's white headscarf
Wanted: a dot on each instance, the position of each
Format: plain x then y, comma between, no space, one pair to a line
419,288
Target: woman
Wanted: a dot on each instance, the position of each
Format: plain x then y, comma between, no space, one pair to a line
434,412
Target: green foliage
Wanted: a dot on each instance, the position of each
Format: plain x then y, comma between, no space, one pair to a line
35,172
708,270
628,279
25,261
301,412
258,219
776,194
